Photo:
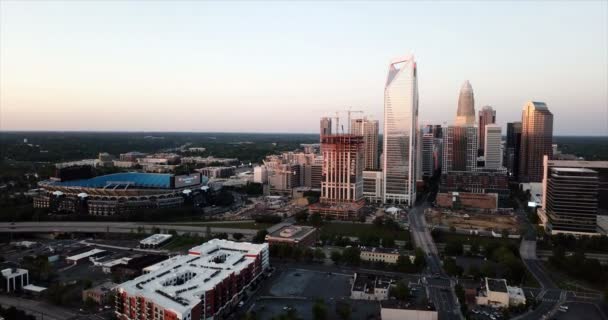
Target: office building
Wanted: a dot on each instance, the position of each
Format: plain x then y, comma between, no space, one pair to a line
375,254
400,131
217,172
513,145
295,236
492,146
428,154
205,284
574,196
459,149
372,186
536,140
325,127
260,174
100,294
342,177
487,115
369,130
465,115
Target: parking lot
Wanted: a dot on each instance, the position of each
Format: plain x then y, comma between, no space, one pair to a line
578,310
298,289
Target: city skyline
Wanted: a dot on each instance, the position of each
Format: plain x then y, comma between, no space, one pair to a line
73,68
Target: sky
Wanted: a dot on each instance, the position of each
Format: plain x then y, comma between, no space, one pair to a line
280,66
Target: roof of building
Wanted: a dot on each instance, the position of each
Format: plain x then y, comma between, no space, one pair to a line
379,250
179,282
156,239
516,292
34,288
578,163
125,179
367,282
292,232
572,170
86,254
496,285
13,272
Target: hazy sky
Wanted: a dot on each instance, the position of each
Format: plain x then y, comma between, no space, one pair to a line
278,66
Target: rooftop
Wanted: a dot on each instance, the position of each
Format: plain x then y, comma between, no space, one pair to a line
578,163
572,170
13,272
155,239
379,250
496,285
179,282
367,282
292,232
86,254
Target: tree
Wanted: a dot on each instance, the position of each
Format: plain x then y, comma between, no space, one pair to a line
388,242
450,266
301,216
336,256
505,233
474,248
351,256
237,236
400,291
404,264
316,220
454,248
308,254
378,222
419,260
319,254
319,310
474,272
343,310
260,236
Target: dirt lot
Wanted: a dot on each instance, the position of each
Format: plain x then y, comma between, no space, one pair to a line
472,220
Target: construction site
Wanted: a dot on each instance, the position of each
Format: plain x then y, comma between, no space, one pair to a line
461,219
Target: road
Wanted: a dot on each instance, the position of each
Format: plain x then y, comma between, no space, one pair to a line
112,227
439,286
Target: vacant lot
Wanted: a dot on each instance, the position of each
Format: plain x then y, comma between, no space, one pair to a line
476,221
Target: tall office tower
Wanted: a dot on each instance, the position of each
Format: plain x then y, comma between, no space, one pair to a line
465,116
493,146
342,177
325,126
570,204
536,140
369,130
428,156
400,131
487,115
459,149
511,155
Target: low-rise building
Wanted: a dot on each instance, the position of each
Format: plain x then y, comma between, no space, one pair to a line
370,287
498,294
457,200
205,284
85,256
372,185
303,236
136,266
375,254
155,240
217,172
398,310
101,294
13,279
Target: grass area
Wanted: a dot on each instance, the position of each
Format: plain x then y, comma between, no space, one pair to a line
232,225
362,230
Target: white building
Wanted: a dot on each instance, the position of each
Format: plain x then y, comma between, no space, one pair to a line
498,294
492,146
14,279
155,240
370,287
400,131
260,174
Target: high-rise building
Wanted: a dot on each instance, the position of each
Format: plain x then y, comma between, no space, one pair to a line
487,115
575,196
325,127
459,149
372,186
428,161
342,177
369,130
400,131
492,146
465,116
511,155
536,140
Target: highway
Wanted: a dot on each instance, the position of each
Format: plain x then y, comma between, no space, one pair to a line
112,227
439,286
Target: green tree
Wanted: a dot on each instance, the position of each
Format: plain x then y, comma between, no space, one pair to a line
319,254
301,216
316,220
336,256
404,264
260,236
400,291
343,310
419,260
388,242
319,310
237,236
351,255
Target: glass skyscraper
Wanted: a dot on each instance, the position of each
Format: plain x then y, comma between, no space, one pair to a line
400,131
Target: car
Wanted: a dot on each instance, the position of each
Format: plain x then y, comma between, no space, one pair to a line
241,303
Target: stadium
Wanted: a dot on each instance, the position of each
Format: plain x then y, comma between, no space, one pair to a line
117,193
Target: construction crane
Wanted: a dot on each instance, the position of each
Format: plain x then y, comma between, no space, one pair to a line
349,111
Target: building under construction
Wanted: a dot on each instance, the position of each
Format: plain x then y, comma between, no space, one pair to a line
342,177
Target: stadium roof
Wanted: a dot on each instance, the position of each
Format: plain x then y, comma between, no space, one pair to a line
128,179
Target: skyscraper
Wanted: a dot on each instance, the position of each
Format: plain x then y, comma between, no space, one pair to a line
536,140
511,155
459,149
342,177
492,146
400,131
325,127
369,130
465,115
487,115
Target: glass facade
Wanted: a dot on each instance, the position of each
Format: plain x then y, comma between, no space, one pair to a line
400,130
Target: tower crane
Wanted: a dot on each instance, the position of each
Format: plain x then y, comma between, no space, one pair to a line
349,111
